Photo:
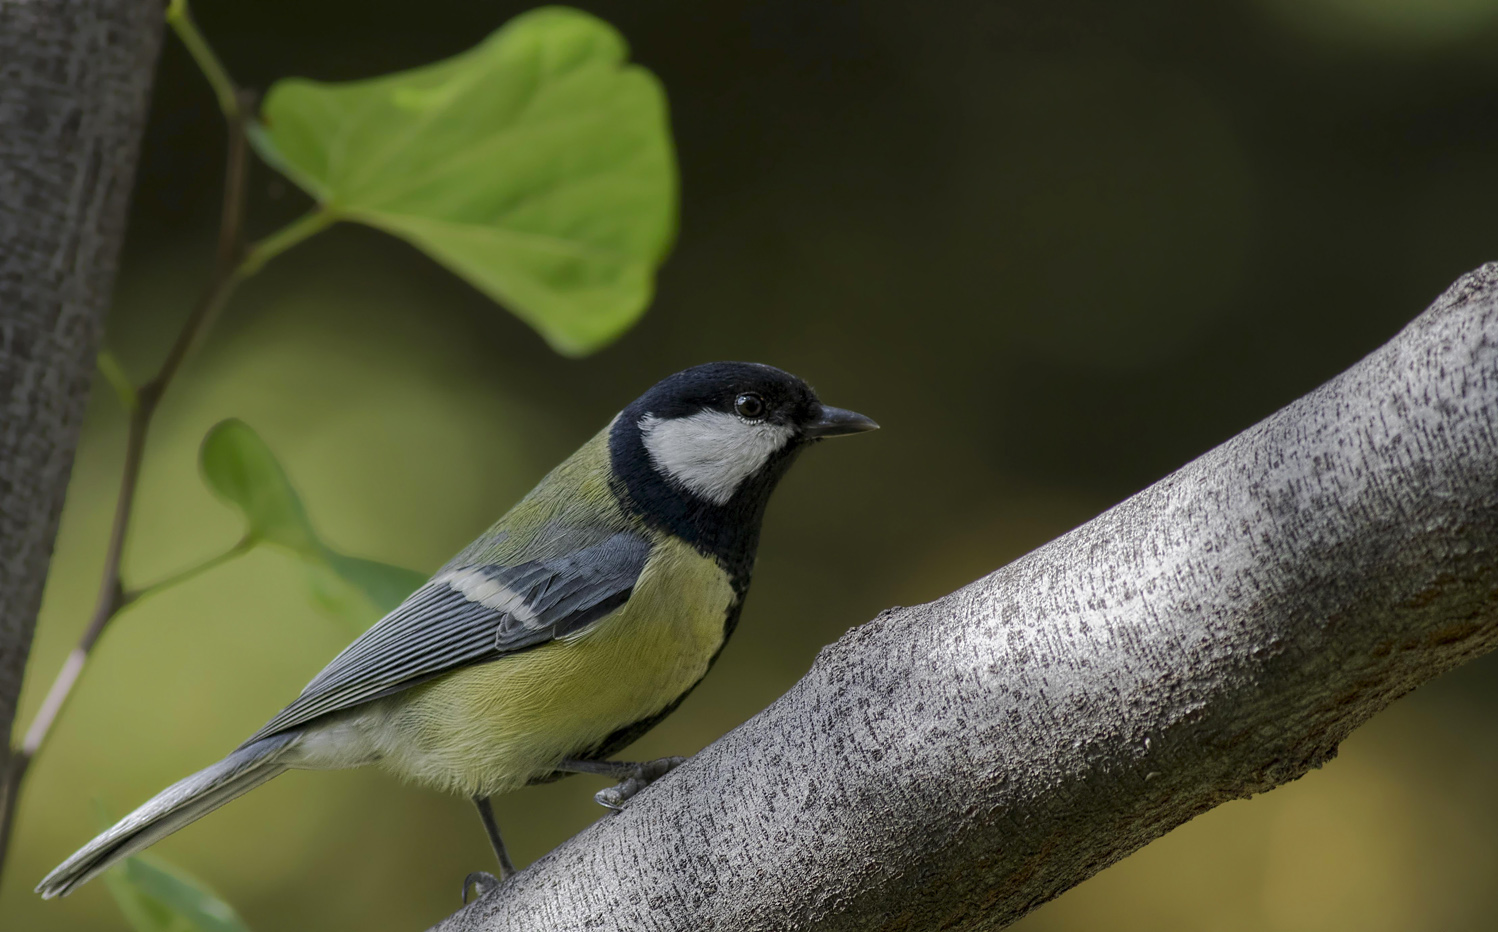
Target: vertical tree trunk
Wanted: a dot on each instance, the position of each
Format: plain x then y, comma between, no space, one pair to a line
75,78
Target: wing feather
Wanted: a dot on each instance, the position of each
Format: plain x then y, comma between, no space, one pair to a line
472,614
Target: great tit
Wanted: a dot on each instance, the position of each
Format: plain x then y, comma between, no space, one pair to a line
563,633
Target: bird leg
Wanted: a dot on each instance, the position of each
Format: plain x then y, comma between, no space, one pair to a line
633,777
482,880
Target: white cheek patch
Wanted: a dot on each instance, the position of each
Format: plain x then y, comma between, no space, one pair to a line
710,453
476,586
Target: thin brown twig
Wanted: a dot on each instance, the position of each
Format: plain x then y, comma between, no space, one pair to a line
227,273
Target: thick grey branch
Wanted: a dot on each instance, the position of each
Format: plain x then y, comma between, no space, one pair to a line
956,764
75,77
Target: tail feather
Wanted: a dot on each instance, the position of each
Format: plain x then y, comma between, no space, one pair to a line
184,801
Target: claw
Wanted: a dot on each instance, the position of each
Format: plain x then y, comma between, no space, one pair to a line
617,797
482,882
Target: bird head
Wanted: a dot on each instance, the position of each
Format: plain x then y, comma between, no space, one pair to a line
707,445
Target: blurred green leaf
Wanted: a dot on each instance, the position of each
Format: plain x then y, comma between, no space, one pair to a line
241,470
349,586
158,898
384,585
537,165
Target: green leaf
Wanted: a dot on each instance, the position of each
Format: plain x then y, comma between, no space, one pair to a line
241,470
157,898
378,584
537,165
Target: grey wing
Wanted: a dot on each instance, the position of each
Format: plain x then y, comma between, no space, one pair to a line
472,614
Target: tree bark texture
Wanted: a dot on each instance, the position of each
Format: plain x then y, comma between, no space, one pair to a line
956,764
75,78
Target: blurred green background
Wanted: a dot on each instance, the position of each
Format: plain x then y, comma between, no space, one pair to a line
1057,249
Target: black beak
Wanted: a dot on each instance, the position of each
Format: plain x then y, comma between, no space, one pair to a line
835,422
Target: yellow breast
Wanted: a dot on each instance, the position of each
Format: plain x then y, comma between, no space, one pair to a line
495,726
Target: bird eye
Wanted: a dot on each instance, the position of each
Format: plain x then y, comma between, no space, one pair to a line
749,405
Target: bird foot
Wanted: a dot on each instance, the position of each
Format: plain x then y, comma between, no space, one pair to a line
617,797
481,882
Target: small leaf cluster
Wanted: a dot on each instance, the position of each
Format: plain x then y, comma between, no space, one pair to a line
241,470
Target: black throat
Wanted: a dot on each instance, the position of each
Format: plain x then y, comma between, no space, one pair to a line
729,532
